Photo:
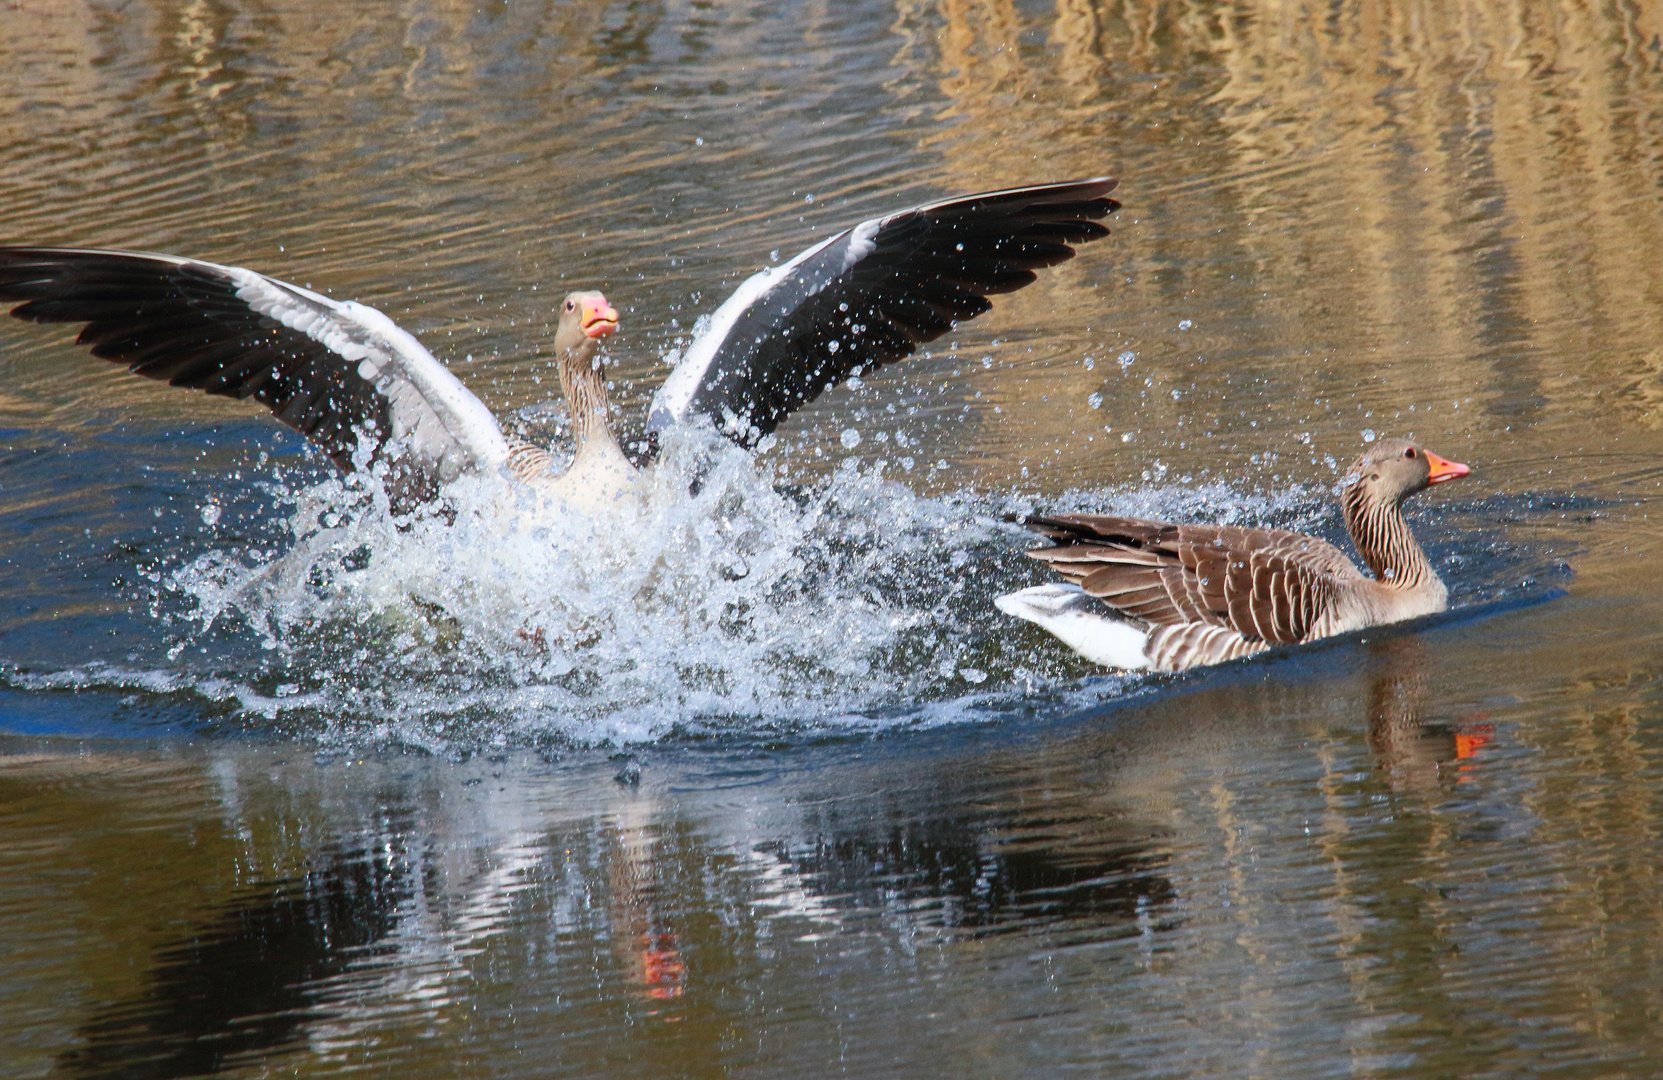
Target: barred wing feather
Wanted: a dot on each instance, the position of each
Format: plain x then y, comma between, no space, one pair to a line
1267,585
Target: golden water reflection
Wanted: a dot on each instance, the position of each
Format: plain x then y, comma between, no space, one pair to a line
1451,206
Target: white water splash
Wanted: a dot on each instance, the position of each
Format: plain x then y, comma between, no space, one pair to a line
849,604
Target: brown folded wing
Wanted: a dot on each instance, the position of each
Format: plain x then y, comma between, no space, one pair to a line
1267,585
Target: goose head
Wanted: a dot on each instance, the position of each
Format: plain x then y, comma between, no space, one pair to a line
1393,469
585,318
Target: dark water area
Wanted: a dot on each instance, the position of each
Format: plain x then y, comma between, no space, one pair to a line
769,788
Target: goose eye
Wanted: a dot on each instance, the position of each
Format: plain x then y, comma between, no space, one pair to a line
1409,453
570,306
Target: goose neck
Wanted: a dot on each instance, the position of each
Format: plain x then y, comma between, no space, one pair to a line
1381,533
584,384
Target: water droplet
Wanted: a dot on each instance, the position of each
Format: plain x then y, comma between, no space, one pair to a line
1185,324
850,438
1095,400
1368,435
1126,359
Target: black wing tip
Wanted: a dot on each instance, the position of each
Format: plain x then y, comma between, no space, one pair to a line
68,285
26,310
1090,187
17,260
1092,192
1063,213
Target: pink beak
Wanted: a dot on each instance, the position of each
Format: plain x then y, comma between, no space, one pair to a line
599,318
1443,468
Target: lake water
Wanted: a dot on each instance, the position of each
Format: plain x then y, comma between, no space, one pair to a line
765,786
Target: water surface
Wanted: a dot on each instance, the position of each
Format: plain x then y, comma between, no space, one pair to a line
764,786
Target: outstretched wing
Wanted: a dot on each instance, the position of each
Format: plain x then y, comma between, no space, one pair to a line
336,372
1267,585
870,295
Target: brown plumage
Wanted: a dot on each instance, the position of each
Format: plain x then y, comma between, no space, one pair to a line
1180,596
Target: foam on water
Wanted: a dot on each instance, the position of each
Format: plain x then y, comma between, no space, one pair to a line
726,601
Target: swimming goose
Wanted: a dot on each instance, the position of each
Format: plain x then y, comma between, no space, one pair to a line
1181,596
369,394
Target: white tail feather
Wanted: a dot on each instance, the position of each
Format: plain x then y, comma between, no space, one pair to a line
1076,620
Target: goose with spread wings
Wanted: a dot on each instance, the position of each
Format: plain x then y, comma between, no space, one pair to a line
369,394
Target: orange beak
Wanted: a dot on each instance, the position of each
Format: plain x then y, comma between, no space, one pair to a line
599,318
1443,468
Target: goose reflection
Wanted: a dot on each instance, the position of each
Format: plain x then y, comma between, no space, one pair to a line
1412,752
643,917
252,977
660,903
399,910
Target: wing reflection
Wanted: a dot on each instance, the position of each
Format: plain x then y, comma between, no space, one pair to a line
952,875
559,890
250,978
